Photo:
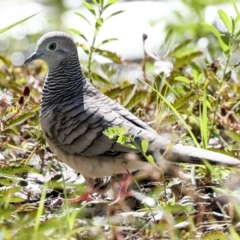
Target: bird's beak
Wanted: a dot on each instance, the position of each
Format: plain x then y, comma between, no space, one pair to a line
34,56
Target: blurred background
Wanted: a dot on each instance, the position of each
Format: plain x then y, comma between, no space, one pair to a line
153,18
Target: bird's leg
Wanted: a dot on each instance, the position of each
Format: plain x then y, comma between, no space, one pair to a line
123,190
93,186
83,197
86,196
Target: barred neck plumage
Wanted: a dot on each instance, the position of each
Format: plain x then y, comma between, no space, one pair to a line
63,83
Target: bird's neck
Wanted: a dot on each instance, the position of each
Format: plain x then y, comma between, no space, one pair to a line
63,84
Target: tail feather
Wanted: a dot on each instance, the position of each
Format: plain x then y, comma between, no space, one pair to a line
188,154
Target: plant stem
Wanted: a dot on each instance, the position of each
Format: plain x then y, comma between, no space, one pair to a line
222,80
96,31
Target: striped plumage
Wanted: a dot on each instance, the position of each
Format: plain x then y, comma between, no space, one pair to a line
74,115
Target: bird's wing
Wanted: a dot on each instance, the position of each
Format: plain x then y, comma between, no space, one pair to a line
119,109
80,126
128,115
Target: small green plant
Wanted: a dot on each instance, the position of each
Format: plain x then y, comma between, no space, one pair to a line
92,47
120,133
228,44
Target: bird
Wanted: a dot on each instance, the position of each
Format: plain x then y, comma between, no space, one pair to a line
74,116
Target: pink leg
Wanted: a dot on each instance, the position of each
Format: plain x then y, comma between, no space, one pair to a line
83,197
86,196
123,189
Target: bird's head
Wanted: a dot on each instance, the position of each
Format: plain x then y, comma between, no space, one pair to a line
53,48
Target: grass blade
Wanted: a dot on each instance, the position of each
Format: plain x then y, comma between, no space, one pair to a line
16,23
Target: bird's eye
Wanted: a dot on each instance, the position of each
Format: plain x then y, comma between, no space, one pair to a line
52,46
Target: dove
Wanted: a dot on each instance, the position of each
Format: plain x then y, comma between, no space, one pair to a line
74,116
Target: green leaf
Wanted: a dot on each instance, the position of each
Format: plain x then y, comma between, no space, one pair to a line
182,100
197,77
180,47
84,47
158,81
170,118
6,194
224,47
237,34
109,3
82,16
126,92
182,79
217,234
120,133
110,133
113,132
90,7
224,41
204,119
114,14
125,140
233,23
225,20
112,93
144,145
35,108
98,24
110,55
232,134
106,41
11,170
16,23
10,146
96,1
6,182
97,78
78,33
223,151
150,159
10,131
4,191
236,21
19,119
184,60
107,54
212,29
137,98
235,6
184,108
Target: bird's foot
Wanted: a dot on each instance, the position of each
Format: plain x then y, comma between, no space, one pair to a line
83,197
123,193
123,190
121,196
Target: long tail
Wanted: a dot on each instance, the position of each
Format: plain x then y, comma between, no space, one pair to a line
188,154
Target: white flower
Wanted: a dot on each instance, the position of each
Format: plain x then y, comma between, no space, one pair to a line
164,66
